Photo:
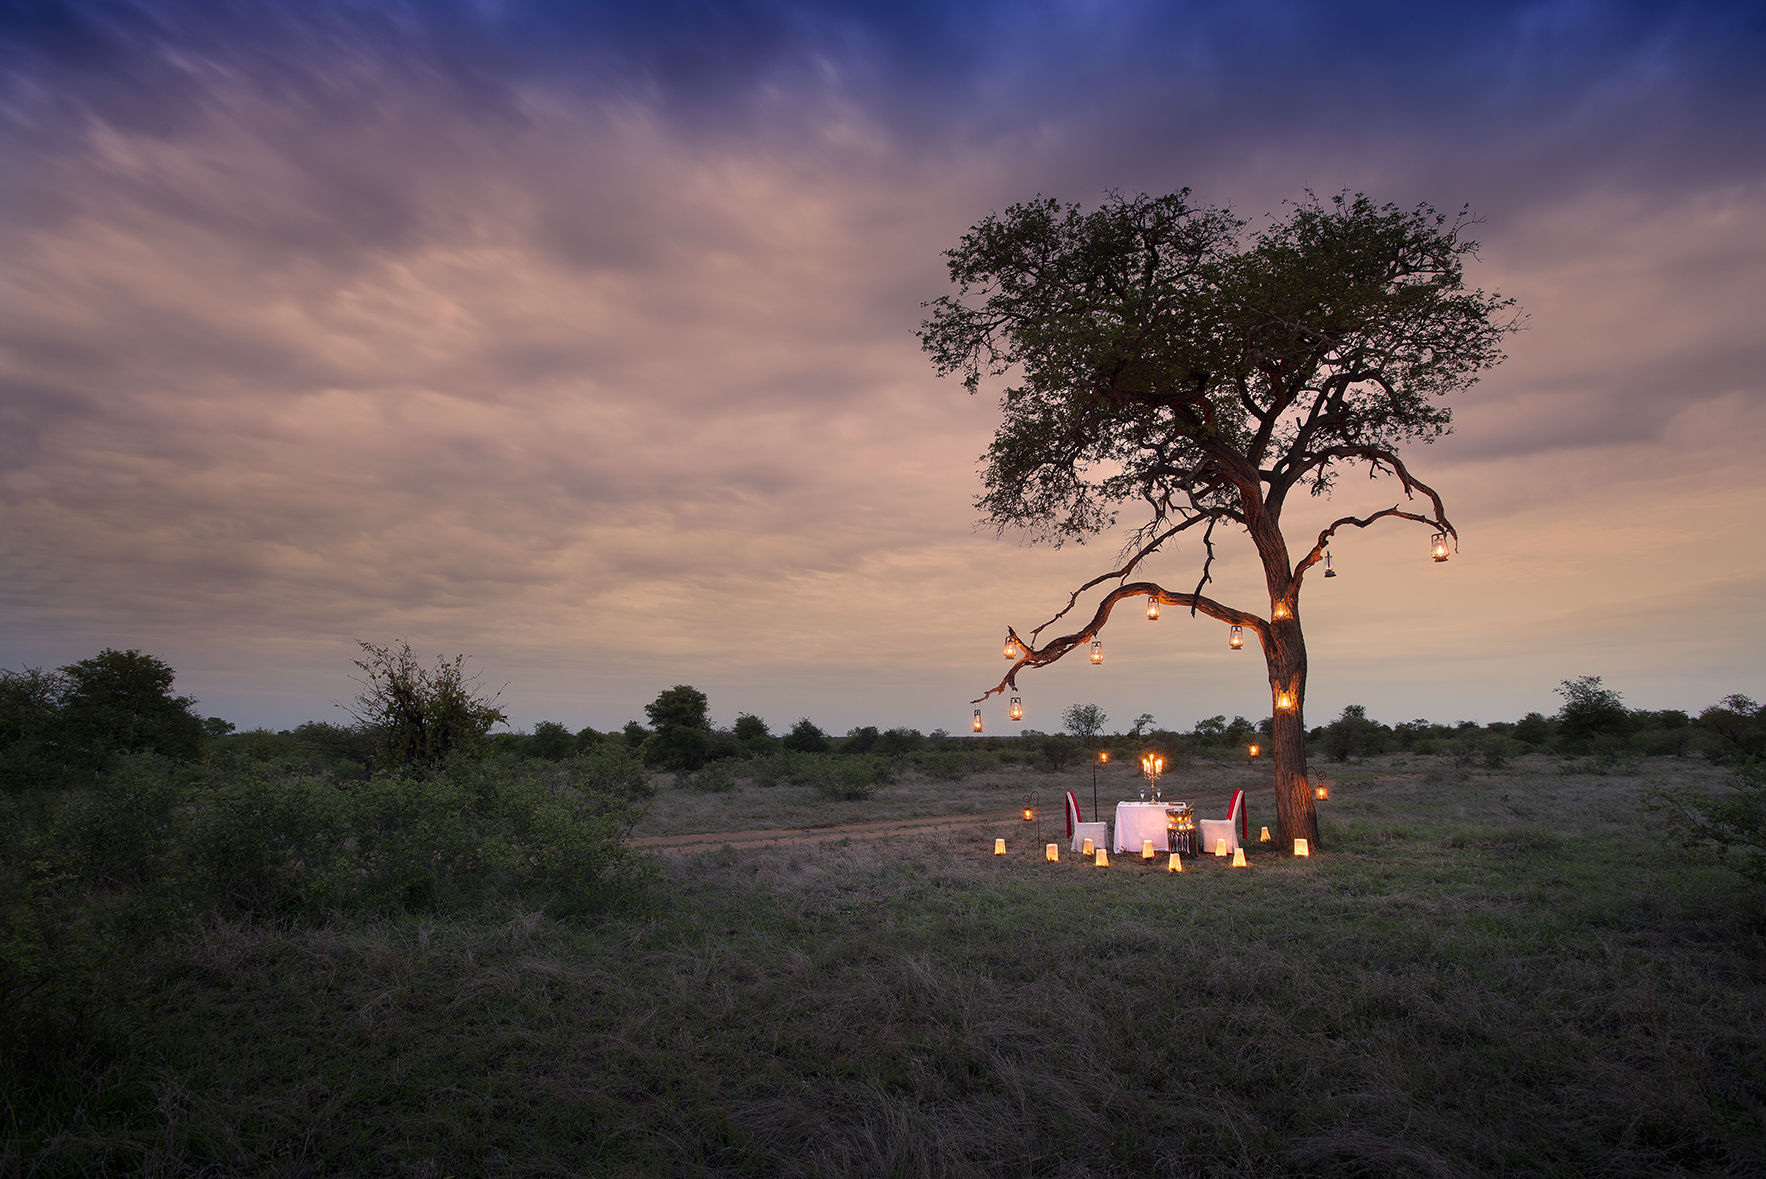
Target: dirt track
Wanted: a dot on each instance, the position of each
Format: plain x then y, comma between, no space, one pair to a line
817,834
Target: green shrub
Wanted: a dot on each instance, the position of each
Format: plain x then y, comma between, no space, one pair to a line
717,777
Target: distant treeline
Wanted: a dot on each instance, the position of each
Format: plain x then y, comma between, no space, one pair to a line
63,727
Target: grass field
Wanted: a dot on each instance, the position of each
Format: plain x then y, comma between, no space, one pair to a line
1493,972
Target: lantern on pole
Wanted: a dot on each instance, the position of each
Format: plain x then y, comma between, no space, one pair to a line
1254,751
1237,638
1152,607
1097,650
1438,546
1321,792
1017,712
977,720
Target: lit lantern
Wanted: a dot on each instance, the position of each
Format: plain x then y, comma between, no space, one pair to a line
1052,853
1097,650
1264,838
1285,701
1102,859
1438,546
1281,610
999,847
977,720
1017,708
1301,851
1146,849
1255,750
1237,641
1220,848
1152,608
1029,814
1175,864
1086,848
1103,757
1012,648
1239,858
1329,571
1321,792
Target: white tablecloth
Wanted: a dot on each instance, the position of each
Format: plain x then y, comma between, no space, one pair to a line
1136,821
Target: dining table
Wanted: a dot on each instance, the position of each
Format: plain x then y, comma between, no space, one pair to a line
1138,821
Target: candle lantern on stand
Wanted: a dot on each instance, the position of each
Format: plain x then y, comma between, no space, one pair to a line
1181,822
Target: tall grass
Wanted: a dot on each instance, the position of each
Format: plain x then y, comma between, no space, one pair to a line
1487,973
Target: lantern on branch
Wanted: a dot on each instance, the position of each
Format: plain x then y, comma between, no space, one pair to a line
1280,610
1329,570
1438,546
1237,638
1152,607
977,720
1017,712
1013,647
1097,650
1285,701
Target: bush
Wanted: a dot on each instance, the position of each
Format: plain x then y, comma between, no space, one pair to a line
420,716
717,777
851,779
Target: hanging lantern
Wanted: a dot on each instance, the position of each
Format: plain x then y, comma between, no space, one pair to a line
1281,611
1052,853
1103,858
1237,639
1329,571
1013,647
1097,650
1029,811
1103,757
1174,864
1321,793
977,720
1017,708
1285,701
1239,858
1438,546
1301,851
1152,608
1255,750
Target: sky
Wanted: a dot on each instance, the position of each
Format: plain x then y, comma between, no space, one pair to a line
580,339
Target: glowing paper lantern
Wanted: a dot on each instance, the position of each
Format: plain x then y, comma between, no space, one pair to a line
1176,865
1103,858
1220,848
999,847
1146,849
1239,858
1264,838
1301,851
1052,853
1086,848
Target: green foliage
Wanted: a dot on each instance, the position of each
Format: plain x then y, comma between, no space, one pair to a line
120,702
551,741
1732,817
682,706
805,737
1590,713
420,716
1084,721
716,777
1353,735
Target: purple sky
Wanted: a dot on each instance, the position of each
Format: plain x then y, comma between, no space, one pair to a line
583,344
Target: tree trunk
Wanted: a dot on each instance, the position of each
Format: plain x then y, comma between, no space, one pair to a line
1285,653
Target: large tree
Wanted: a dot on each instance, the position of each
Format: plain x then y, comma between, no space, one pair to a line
1159,355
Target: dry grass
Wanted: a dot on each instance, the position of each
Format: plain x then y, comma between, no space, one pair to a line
1505,972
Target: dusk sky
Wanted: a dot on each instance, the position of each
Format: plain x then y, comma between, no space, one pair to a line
579,338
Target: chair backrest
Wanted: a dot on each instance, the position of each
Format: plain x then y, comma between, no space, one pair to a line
1072,813
1237,811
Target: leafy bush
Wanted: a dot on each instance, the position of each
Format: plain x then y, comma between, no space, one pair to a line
852,779
420,716
717,777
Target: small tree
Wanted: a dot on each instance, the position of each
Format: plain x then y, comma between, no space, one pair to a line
122,702
420,716
1589,712
805,737
1161,359
682,738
